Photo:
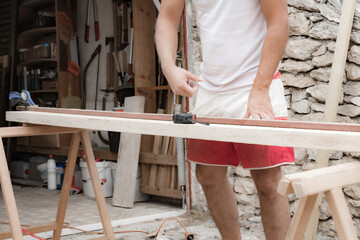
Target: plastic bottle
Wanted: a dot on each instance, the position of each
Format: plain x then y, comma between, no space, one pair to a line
51,170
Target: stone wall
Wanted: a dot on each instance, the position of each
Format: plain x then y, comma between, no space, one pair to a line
305,69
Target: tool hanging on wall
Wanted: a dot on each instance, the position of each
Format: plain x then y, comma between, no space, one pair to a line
83,82
74,67
96,22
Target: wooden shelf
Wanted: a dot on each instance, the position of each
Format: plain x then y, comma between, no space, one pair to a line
33,62
36,32
37,4
101,153
44,91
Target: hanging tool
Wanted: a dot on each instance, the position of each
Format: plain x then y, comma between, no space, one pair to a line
96,21
83,82
130,65
97,79
23,98
74,67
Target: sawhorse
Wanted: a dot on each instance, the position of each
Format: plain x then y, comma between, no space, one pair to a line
8,194
307,185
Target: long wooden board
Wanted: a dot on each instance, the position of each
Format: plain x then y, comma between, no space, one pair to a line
231,121
304,138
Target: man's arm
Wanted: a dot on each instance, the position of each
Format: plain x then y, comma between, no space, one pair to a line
166,38
276,16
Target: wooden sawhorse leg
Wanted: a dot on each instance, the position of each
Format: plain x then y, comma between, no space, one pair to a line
96,184
301,218
65,190
341,215
9,197
95,180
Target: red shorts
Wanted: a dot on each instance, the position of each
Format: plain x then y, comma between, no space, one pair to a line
250,156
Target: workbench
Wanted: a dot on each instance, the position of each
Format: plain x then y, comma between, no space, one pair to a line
42,121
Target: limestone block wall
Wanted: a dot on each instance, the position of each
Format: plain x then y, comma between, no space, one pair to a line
305,69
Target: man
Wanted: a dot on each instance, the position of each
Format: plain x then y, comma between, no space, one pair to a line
242,44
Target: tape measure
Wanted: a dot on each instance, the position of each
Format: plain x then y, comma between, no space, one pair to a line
186,118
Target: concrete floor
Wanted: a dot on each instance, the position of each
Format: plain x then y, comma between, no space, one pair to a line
39,205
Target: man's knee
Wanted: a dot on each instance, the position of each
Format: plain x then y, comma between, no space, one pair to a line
267,180
210,175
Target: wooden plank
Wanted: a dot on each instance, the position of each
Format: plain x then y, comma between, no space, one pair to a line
301,217
144,17
154,173
149,158
68,179
341,214
163,192
8,195
333,94
317,139
128,160
7,132
323,179
95,181
231,121
44,227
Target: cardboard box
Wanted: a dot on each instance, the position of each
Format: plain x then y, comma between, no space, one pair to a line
49,85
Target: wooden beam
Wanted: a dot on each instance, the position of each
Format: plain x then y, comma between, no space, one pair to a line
144,13
323,179
7,132
333,94
318,139
44,227
228,121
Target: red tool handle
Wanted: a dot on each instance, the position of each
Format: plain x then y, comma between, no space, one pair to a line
74,68
130,68
96,31
63,19
86,33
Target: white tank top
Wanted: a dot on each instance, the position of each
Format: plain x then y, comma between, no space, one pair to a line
232,33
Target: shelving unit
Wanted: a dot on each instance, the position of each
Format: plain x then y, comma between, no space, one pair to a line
43,33
38,32
34,62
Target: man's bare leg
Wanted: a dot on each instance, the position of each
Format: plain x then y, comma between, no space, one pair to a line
275,211
220,199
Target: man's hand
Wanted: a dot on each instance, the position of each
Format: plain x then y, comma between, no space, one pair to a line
259,105
178,79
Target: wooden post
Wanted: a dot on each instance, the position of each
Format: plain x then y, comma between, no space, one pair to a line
8,195
332,99
128,160
95,181
144,13
68,177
